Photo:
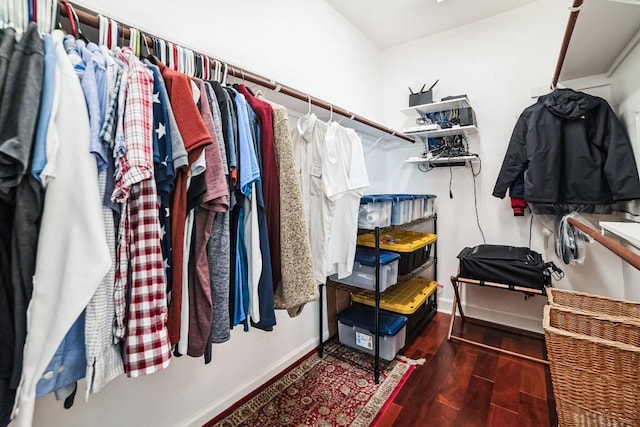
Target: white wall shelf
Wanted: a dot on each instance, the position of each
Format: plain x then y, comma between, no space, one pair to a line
434,107
455,130
442,160
629,231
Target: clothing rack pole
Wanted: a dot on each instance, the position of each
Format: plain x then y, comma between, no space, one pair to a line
92,20
571,24
615,247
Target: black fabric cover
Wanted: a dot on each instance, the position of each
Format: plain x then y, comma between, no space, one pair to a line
504,264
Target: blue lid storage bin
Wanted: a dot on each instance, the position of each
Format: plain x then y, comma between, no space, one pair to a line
364,270
356,328
375,211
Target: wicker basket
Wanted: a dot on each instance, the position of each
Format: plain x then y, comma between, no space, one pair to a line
593,303
596,381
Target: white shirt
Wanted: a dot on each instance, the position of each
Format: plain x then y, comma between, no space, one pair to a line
309,149
254,253
344,185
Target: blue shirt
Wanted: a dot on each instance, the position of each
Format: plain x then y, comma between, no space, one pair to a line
68,364
81,57
249,168
101,76
48,88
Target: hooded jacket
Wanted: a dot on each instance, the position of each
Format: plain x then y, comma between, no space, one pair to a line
573,150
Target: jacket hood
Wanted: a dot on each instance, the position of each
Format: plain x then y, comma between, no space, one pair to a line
568,103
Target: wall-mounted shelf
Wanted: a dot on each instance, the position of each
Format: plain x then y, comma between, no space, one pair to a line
443,161
455,130
629,231
434,107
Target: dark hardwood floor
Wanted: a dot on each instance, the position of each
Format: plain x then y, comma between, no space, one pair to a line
465,385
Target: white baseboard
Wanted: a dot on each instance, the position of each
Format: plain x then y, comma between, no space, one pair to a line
243,390
501,317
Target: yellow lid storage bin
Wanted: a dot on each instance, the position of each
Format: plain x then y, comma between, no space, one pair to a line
413,247
405,298
398,240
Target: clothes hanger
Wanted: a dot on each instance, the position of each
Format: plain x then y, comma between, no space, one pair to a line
102,27
225,73
71,17
309,110
113,34
331,115
205,67
76,20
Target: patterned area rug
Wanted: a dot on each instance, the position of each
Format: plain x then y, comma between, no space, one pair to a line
337,390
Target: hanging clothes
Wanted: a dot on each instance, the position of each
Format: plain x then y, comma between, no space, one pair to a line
219,244
333,176
308,144
344,183
139,270
195,137
214,200
269,178
20,195
62,289
297,286
573,151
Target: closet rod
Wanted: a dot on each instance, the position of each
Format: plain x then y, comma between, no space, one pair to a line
568,32
615,247
92,20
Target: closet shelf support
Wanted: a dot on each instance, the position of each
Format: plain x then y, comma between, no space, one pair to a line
571,24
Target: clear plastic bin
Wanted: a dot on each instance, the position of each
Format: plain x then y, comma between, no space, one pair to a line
401,210
364,270
375,211
429,205
356,328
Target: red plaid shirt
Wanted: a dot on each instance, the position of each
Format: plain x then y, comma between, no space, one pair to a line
139,256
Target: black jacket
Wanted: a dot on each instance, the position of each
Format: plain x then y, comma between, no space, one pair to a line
573,150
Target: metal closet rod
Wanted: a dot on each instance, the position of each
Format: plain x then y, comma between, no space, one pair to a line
93,21
568,32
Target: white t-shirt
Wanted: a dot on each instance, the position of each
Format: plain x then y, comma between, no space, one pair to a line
344,184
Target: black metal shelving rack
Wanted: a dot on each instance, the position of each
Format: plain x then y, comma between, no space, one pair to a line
433,261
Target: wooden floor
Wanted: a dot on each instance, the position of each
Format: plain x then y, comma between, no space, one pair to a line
464,385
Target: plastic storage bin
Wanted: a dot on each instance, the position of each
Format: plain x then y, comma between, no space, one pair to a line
414,248
364,270
356,328
375,211
401,210
416,300
418,206
429,205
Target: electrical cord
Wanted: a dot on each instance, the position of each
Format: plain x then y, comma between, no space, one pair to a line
450,180
475,199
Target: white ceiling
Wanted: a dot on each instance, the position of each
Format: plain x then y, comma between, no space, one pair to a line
392,22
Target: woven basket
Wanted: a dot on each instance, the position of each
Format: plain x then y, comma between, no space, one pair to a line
593,303
620,329
596,381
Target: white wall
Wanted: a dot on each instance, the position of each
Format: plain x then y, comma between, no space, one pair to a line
308,46
625,90
497,62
